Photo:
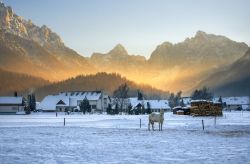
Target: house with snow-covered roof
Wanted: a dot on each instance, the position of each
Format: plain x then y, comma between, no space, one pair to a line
11,105
155,105
235,103
71,101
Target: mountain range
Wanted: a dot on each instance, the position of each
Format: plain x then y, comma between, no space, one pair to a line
173,66
24,45
204,59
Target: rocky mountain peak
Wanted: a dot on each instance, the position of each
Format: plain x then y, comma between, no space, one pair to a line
167,44
14,24
200,37
200,34
203,36
215,50
119,50
6,13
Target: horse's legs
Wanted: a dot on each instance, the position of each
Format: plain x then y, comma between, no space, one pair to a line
149,125
153,125
159,125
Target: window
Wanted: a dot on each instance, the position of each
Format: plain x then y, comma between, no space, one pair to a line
93,106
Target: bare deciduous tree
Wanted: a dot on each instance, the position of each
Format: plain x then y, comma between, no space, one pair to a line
120,94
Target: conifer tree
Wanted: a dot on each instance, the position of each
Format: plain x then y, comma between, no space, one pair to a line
109,109
130,109
15,93
171,100
139,95
85,106
33,102
202,94
220,100
116,111
148,108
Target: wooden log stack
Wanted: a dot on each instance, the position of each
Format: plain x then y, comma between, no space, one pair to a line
205,108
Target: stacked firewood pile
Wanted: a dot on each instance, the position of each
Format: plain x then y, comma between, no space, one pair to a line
205,108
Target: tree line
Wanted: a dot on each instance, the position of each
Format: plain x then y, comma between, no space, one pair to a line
198,94
121,95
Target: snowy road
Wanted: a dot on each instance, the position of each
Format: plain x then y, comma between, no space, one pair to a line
42,138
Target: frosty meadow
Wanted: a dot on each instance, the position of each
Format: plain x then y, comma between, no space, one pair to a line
42,138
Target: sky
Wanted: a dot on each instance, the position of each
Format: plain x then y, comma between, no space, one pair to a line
89,26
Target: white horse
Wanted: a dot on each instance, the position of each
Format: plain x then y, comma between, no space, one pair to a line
154,117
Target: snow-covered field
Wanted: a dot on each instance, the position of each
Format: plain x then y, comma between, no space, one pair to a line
42,138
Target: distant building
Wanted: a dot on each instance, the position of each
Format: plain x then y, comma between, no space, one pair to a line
11,105
155,105
235,103
71,101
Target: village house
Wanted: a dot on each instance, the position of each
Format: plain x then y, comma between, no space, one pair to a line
155,105
11,105
229,103
71,101
235,103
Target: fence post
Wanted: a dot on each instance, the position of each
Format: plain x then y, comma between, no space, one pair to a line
202,124
64,121
140,123
215,121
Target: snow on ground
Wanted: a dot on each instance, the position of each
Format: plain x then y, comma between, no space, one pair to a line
42,138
